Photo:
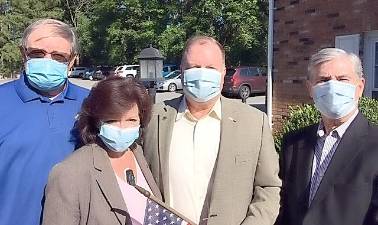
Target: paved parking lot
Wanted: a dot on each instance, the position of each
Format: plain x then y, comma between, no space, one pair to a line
256,101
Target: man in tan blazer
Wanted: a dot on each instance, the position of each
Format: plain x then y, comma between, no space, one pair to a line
213,158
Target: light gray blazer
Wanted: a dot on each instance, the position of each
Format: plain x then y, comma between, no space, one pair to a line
246,185
83,189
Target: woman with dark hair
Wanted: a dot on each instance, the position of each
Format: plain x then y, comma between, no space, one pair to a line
90,187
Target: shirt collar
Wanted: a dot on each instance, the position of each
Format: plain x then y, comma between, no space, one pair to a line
27,93
340,130
215,112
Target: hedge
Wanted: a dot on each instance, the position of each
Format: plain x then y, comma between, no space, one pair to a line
305,115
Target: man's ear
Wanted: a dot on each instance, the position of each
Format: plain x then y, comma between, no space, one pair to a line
72,62
309,87
23,53
361,87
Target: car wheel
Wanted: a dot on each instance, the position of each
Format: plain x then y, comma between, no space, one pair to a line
172,87
90,78
244,91
129,76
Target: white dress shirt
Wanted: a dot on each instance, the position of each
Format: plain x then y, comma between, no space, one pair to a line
193,152
325,143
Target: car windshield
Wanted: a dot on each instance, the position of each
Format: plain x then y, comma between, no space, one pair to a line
172,75
230,72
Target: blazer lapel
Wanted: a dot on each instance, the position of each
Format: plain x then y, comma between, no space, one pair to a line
166,121
146,172
223,174
108,185
346,151
303,165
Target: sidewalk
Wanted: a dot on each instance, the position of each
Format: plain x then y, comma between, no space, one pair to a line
5,80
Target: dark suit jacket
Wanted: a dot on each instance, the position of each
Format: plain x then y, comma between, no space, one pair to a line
347,194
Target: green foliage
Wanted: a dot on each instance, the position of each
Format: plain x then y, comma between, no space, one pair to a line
369,107
172,41
239,25
299,116
14,18
113,32
306,115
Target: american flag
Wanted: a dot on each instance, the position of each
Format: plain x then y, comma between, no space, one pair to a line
158,215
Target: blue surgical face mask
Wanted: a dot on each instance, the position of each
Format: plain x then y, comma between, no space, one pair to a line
201,84
335,99
118,139
46,74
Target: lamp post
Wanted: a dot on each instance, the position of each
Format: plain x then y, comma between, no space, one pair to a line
151,67
269,94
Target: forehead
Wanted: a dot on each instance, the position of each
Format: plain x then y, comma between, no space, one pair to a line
48,38
341,65
132,112
204,53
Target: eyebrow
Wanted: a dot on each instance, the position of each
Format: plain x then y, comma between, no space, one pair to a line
343,75
32,48
329,75
194,65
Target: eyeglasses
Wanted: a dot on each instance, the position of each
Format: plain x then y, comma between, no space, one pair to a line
40,53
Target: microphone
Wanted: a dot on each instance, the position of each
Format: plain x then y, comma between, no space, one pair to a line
131,181
130,177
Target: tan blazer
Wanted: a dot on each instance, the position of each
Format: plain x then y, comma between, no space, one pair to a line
83,189
246,185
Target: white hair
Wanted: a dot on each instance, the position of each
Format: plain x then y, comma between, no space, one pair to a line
61,29
328,54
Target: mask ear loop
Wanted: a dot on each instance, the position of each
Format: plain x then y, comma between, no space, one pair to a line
72,57
139,140
24,55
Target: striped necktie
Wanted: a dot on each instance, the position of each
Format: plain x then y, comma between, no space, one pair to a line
329,143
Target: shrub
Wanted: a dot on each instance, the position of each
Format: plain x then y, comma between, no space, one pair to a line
305,115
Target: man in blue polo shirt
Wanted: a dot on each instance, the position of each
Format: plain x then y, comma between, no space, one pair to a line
37,115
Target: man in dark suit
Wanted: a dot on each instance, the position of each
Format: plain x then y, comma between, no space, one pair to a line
330,169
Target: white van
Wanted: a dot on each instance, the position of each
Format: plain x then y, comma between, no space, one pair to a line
127,70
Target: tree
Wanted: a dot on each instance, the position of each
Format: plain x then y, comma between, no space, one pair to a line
14,18
73,9
113,32
239,25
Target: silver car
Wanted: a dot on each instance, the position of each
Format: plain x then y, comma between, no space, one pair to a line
172,82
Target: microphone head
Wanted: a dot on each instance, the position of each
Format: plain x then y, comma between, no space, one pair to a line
130,177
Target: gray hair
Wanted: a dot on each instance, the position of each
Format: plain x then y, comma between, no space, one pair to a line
328,54
61,29
202,40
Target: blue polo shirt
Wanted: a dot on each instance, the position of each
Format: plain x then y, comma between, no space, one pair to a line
35,134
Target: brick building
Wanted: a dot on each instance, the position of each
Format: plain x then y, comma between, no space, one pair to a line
302,27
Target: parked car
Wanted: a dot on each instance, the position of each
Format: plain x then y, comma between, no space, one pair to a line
102,72
172,82
243,80
168,69
127,70
77,72
89,74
